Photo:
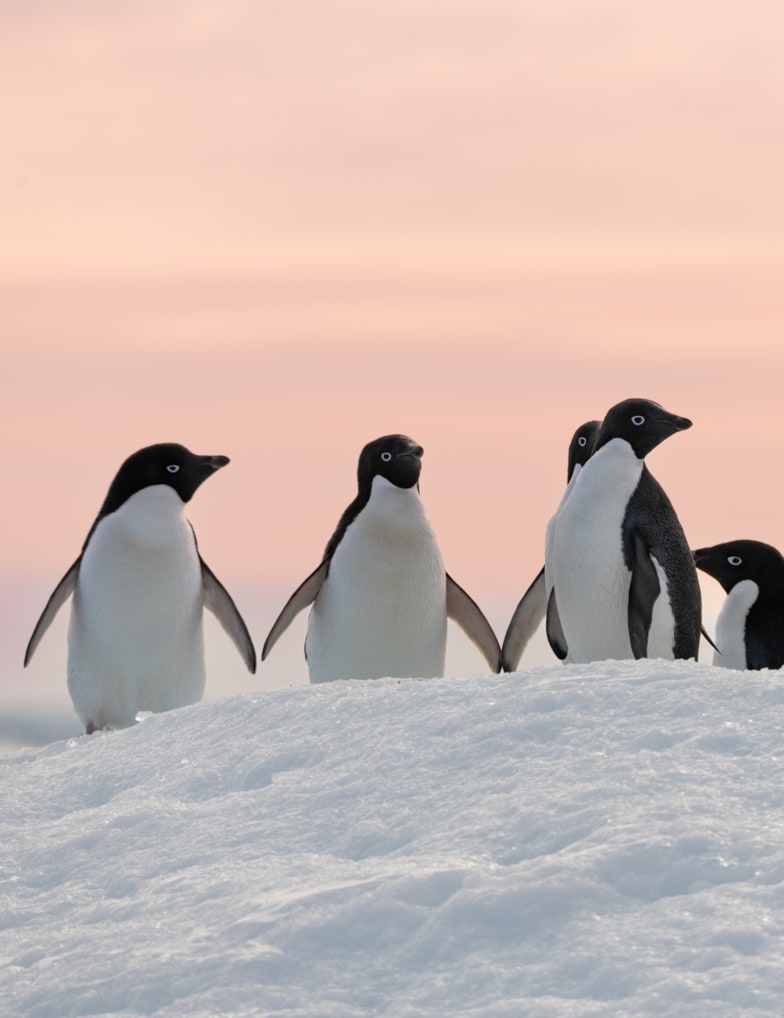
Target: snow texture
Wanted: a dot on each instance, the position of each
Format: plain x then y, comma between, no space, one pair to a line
589,840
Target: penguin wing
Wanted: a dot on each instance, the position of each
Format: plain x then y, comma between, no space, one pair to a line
304,595
643,591
218,600
468,615
59,596
526,620
706,634
555,633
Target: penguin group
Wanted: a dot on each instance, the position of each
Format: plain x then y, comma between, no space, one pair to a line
619,579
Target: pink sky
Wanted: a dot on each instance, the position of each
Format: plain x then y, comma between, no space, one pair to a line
277,231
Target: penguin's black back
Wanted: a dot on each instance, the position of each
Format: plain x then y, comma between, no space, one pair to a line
650,512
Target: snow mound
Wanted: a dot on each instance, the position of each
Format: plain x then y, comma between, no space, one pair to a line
602,840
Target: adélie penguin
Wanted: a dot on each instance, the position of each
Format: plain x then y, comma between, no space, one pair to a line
381,596
532,606
624,580
140,586
750,626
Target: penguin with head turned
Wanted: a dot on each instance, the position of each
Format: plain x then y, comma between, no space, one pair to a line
624,580
750,626
381,596
140,587
532,607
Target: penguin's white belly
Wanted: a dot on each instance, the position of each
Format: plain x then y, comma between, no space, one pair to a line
382,609
588,570
661,637
135,639
549,534
731,625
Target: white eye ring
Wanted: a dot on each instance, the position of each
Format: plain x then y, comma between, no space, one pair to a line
582,441
734,560
637,420
386,456
173,468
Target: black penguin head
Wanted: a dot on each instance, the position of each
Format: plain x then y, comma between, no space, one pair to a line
165,463
582,445
394,457
640,422
733,561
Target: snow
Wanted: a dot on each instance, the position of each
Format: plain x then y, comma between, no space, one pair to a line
588,840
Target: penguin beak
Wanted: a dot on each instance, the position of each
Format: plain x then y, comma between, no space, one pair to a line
416,451
704,560
679,423
209,464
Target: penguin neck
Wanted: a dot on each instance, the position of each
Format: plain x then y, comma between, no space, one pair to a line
731,624
392,528
152,517
613,471
392,505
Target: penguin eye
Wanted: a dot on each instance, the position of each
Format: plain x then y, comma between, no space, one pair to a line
734,560
582,441
637,420
173,468
386,456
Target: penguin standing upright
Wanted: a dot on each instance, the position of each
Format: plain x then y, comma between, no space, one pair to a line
532,606
381,595
624,580
750,626
135,638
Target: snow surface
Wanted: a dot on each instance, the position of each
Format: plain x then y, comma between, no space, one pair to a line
589,840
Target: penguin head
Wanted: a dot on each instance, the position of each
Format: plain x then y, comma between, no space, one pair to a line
582,445
396,458
640,422
733,561
166,463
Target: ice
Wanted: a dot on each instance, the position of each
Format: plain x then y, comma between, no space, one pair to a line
589,840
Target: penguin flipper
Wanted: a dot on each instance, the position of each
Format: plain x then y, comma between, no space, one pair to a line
643,591
219,601
555,633
59,596
304,595
705,633
527,617
463,610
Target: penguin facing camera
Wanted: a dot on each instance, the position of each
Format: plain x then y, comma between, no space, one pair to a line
532,607
381,595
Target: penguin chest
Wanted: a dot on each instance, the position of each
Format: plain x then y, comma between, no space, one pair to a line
588,570
135,636
382,609
549,536
731,625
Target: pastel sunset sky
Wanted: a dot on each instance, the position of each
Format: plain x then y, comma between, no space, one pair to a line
279,230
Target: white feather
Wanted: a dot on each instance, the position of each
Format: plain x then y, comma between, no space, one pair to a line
588,571
549,535
135,639
731,625
382,609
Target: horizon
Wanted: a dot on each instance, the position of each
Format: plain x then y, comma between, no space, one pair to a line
479,225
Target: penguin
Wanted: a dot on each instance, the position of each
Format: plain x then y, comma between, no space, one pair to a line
624,580
381,596
532,607
750,626
139,586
